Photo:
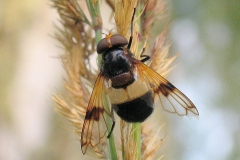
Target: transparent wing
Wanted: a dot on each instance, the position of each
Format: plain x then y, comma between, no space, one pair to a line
93,136
171,99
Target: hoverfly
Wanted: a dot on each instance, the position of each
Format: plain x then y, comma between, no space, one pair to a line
130,87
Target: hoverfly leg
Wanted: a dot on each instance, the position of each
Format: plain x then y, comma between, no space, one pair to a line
131,36
113,124
129,43
145,57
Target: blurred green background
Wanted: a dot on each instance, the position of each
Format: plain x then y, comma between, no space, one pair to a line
205,33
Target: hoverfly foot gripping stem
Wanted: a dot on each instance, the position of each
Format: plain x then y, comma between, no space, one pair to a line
110,133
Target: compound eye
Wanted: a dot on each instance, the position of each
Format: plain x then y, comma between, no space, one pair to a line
118,41
110,42
102,46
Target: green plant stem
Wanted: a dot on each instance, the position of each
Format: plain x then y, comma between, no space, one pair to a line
94,9
111,142
137,138
98,34
137,126
122,138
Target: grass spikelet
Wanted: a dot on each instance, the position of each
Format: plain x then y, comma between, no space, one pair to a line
151,140
78,40
159,53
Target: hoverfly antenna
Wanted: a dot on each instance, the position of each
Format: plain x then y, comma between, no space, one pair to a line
104,33
110,32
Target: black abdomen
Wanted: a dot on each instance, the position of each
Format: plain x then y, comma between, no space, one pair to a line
136,110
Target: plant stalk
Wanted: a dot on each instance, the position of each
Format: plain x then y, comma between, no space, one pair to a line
94,9
137,138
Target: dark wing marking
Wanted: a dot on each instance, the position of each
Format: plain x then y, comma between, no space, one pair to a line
176,101
95,126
